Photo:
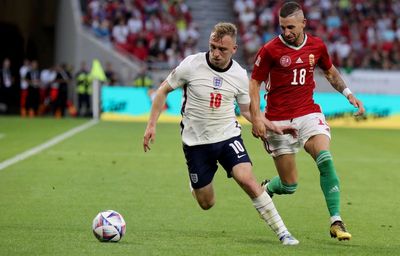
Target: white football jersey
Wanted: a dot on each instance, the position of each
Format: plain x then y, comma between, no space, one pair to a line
209,93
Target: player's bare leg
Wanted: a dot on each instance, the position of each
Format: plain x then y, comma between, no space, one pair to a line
204,196
243,175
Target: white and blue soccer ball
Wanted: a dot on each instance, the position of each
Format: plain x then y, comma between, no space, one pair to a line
109,226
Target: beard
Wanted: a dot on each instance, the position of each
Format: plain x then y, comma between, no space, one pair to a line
292,40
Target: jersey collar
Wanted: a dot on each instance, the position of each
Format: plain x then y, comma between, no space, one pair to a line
217,68
294,47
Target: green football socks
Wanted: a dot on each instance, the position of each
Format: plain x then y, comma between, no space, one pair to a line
275,186
329,182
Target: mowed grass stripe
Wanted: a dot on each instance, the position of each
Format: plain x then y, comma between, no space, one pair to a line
33,151
21,134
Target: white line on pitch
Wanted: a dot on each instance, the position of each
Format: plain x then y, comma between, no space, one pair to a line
41,147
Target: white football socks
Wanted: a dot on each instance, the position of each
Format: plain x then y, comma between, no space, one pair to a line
269,214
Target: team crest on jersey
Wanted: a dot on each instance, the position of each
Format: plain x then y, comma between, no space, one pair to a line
217,82
285,61
311,60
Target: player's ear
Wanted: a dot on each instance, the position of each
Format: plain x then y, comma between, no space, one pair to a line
235,47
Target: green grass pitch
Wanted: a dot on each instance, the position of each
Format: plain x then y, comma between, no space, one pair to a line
48,201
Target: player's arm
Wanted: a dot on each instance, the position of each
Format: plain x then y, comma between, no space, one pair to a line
256,117
156,109
337,82
245,112
260,123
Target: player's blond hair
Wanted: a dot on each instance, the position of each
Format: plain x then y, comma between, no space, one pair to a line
222,29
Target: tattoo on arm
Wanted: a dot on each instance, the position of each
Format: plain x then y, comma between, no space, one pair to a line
335,79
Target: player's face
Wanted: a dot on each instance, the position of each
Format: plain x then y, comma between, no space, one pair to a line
293,29
221,50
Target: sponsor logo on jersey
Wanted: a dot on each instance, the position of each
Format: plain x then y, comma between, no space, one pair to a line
299,61
217,82
285,61
194,178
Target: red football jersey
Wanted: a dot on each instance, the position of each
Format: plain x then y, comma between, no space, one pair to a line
288,73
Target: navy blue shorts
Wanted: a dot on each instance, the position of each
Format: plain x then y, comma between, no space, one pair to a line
202,159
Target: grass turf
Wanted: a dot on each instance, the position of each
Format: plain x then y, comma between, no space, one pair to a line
48,201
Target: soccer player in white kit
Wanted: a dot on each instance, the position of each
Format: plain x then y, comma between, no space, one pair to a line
212,81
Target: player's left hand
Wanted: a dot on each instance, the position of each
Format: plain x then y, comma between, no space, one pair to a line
358,104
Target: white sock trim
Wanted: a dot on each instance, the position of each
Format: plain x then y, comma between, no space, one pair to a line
335,218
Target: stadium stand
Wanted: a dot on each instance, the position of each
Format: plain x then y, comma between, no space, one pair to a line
359,34
160,33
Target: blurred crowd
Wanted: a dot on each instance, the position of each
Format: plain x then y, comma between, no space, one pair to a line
160,32
38,91
58,90
358,33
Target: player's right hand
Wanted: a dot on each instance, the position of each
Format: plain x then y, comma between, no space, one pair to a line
258,130
149,137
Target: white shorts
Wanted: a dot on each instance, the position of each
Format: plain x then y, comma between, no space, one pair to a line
308,126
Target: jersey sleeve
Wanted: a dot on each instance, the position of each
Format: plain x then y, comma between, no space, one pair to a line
262,65
243,95
324,62
181,74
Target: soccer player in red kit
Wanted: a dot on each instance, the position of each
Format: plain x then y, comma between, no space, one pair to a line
287,64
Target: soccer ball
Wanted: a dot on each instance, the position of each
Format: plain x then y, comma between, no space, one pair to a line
109,226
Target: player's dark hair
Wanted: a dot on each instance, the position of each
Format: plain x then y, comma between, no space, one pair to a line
289,8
